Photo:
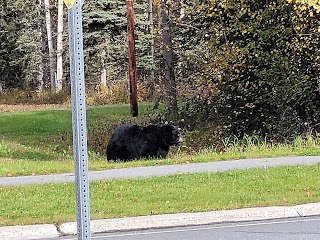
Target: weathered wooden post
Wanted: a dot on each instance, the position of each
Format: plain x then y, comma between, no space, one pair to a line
132,61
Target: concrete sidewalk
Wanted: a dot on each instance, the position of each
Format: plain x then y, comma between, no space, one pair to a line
155,221
159,221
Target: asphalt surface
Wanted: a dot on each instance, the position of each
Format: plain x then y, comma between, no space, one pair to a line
302,228
167,220
145,172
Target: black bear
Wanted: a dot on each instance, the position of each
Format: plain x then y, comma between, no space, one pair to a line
133,141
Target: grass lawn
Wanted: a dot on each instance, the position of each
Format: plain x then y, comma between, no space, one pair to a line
40,142
55,203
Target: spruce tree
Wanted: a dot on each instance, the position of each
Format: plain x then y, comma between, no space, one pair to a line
106,43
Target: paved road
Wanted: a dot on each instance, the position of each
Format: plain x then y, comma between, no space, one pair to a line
306,228
289,230
145,172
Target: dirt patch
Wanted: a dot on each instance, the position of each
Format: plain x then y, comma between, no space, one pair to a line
30,107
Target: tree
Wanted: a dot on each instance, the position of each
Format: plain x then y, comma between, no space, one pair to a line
41,28
309,3
7,45
52,59
266,55
59,46
103,67
151,40
105,27
21,53
170,82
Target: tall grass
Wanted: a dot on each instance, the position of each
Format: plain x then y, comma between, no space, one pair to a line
307,144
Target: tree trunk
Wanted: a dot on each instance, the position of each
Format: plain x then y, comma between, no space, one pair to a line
103,68
152,83
170,82
182,10
60,47
179,71
50,46
40,77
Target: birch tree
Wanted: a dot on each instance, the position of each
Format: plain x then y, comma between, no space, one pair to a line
151,82
103,69
50,46
59,47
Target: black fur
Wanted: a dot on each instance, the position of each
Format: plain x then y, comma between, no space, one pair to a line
132,141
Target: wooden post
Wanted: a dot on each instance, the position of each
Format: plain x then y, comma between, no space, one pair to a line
132,60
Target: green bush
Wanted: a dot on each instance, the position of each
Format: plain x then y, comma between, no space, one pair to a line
266,54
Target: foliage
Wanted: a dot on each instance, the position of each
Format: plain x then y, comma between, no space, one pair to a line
115,93
29,96
242,67
263,66
307,3
24,45
20,43
105,28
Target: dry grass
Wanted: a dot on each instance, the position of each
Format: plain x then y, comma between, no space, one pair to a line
30,107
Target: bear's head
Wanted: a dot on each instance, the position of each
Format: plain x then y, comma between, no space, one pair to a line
173,135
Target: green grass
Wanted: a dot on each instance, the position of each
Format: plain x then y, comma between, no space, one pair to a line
40,142
55,203
18,159
34,123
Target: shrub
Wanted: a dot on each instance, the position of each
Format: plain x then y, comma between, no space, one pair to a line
266,53
29,96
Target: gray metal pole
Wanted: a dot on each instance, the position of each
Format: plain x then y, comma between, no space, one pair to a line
79,120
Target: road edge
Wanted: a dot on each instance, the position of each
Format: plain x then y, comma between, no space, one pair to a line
43,231
200,218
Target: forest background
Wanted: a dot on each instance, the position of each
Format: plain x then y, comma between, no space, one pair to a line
224,67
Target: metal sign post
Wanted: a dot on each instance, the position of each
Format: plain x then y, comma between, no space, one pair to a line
79,118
